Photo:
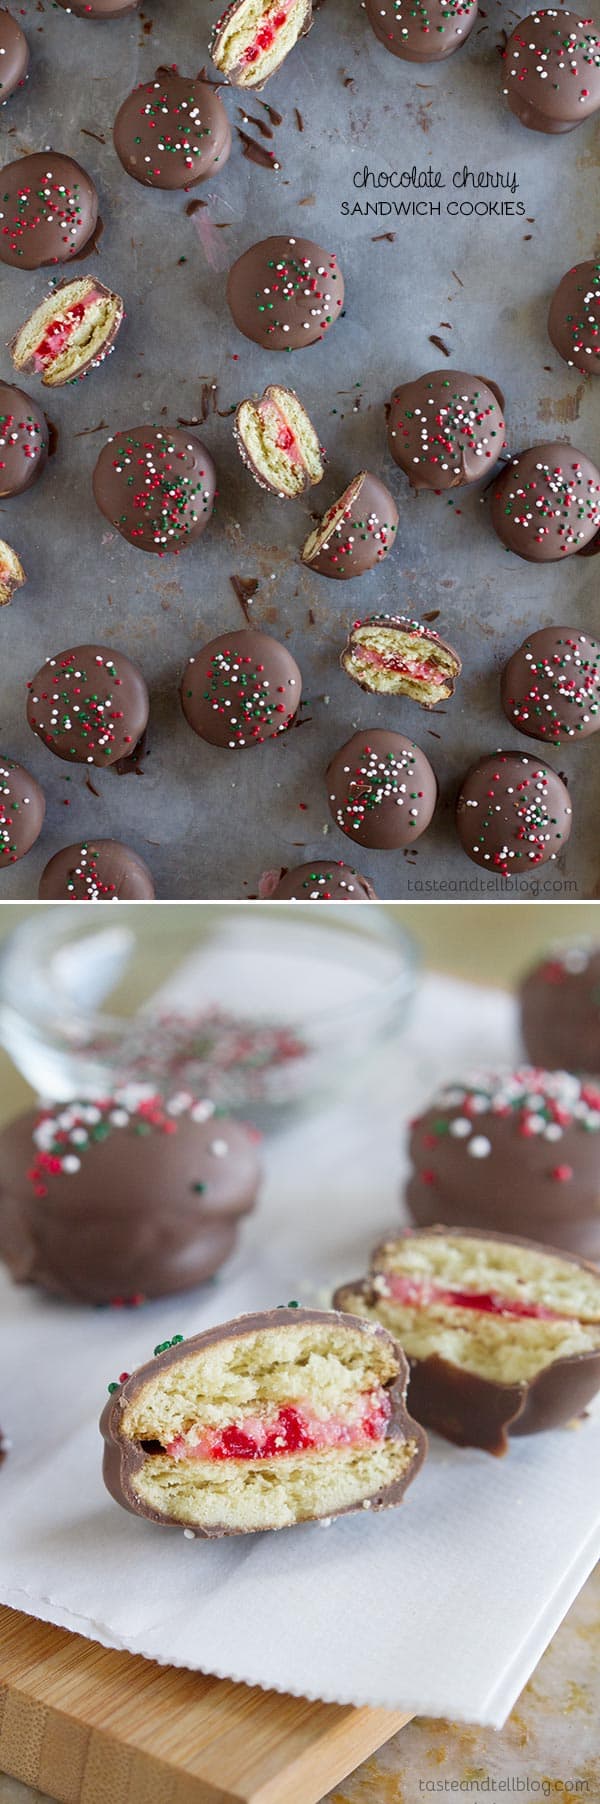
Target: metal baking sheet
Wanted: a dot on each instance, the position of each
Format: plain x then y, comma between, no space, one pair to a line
472,260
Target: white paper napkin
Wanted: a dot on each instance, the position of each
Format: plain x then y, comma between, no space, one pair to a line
443,1606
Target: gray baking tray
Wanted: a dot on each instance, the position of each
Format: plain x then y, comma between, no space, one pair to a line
206,821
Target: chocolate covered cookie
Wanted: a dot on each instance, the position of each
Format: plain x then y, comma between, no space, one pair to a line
546,504
446,429
22,810
316,882
252,38
278,442
156,485
285,293
390,655
89,705
48,210
356,533
172,132
574,318
502,1336
513,813
422,31
289,1416
14,55
96,870
382,789
69,333
125,1197
23,440
559,1003
551,686
514,1150
551,74
241,689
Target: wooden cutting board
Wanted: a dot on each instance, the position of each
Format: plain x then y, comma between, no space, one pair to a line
89,1725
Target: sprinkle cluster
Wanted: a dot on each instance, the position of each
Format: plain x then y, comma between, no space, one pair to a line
9,808
559,502
27,435
524,806
560,694
176,123
239,689
447,427
582,320
378,780
541,1104
168,497
62,1138
295,284
414,19
543,50
53,203
74,707
342,533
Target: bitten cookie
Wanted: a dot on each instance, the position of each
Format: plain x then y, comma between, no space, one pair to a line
502,1336
71,332
270,1420
252,38
278,442
390,655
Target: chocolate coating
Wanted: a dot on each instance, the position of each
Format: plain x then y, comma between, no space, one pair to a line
98,9
473,1411
241,689
382,789
560,1012
316,882
48,210
14,55
22,810
356,533
285,293
546,503
97,870
23,440
552,71
446,429
526,1154
513,813
122,1457
172,132
574,318
156,486
551,685
421,31
123,1199
89,705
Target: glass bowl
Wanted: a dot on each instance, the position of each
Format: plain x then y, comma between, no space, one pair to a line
266,1009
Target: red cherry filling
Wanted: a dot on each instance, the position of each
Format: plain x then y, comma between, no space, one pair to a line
419,670
290,1429
420,1293
58,333
264,37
